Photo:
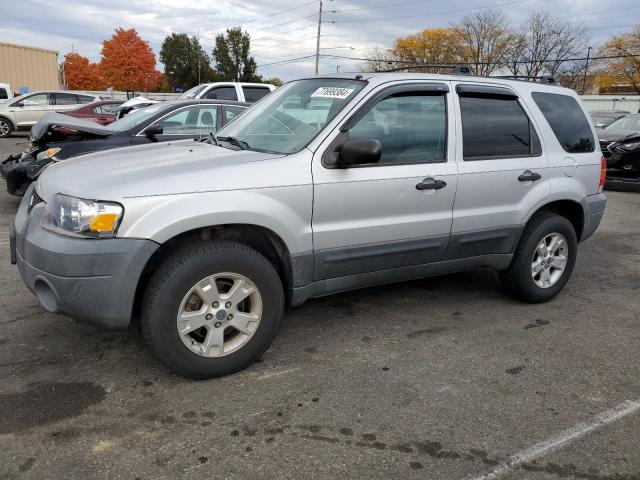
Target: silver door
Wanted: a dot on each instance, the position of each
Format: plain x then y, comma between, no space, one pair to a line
378,217
504,171
30,109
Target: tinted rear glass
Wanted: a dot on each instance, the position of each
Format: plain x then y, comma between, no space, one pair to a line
3,94
496,127
253,94
567,121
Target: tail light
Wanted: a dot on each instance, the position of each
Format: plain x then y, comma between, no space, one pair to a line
603,173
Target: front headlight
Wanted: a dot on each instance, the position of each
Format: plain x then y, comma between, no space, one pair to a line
630,146
79,217
48,153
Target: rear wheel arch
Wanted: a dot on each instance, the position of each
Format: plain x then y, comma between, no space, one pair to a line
266,242
571,210
12,126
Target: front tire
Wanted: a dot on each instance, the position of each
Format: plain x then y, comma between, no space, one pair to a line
212,308
6,128
544,259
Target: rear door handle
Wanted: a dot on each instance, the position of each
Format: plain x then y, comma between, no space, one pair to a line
529,176
431,183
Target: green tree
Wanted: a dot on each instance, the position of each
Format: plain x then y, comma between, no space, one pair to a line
185,61
232,59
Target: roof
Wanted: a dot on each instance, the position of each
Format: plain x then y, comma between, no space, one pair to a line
377,78
15,45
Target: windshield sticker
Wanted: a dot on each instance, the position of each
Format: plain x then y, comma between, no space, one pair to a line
332,92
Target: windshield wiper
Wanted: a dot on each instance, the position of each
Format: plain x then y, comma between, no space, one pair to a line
241,144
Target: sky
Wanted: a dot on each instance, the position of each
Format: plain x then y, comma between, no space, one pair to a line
282,29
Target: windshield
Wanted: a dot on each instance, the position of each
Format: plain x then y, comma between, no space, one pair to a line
628,123
602,121
288,119
130,120
192,92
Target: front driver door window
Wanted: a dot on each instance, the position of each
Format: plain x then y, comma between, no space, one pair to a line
372,217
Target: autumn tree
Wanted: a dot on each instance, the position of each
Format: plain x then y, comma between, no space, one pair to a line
626,69
231,56
545,45
185,61
430,46
128,63
487,40
80,74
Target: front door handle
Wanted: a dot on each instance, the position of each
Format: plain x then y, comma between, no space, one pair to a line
529,176
431,183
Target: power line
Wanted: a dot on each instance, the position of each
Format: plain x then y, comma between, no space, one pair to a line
271,15
504,4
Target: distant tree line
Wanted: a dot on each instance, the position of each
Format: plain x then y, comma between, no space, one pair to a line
542,45
128,63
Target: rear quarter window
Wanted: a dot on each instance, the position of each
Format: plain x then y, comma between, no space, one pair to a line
567,120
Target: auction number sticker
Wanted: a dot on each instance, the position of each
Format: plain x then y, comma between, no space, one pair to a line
332,92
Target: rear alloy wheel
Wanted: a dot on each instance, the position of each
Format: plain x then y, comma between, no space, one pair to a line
212,308
543,260
6,129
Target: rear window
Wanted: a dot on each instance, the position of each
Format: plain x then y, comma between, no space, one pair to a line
566,119
253,94
496,127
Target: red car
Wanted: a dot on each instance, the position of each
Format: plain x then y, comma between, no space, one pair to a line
102,112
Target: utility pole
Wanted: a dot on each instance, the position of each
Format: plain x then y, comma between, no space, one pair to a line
586,68
318,39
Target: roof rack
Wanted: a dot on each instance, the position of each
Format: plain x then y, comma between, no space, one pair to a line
542,78
459,69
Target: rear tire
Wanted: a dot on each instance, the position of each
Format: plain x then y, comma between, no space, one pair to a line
6,128
538,271
188,285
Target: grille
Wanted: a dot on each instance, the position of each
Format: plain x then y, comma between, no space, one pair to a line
34,200
604,148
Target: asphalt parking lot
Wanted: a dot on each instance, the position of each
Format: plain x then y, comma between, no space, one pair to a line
442,378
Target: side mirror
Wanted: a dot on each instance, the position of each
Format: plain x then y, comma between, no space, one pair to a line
359,151
153,130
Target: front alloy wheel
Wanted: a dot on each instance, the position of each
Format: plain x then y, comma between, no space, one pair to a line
212,308
219,315
5,128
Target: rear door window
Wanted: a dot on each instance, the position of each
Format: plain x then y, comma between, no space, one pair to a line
495,127
222,93
3,94
85,98
567,120
65,99
253,94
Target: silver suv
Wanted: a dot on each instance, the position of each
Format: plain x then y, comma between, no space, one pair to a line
326,185
23,112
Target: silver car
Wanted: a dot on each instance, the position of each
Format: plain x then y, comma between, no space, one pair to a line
21,113
326,185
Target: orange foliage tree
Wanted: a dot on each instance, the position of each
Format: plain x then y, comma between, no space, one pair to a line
80,74
430,46
128,63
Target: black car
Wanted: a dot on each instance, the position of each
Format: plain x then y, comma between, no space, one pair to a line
59,137
604,118
620,145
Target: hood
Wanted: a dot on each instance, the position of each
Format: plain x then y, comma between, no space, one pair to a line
53,119
143,170
607,135
136,101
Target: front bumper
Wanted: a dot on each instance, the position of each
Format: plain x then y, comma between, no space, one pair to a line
92,280
593,207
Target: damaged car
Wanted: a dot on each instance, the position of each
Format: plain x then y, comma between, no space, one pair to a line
57,137
620,145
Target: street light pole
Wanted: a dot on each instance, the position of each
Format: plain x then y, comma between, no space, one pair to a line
337,69
318,39
586,68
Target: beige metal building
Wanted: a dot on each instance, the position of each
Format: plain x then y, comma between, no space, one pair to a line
33,68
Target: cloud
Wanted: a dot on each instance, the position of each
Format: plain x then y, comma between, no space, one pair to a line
280,29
